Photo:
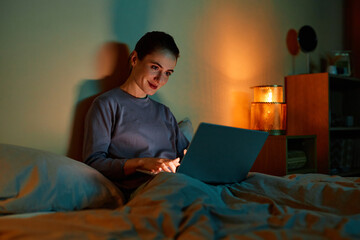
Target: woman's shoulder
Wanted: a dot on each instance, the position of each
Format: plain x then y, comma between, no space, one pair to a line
112,95
166,111
159,104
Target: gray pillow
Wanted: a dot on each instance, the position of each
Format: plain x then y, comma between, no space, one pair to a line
32,180
186,128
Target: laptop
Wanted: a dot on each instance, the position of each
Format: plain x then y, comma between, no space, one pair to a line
220,154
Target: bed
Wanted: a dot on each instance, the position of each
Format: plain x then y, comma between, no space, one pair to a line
48,196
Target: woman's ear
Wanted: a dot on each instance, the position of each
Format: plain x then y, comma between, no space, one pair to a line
133,58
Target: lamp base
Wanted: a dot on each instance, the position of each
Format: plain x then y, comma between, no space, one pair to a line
269,117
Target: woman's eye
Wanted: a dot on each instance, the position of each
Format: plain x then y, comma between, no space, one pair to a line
168,74
154,67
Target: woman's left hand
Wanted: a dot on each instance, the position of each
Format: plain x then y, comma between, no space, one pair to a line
172,165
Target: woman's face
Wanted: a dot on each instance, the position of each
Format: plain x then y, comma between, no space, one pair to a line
153,71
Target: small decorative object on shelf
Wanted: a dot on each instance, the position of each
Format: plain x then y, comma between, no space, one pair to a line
296,159
339,63
268,111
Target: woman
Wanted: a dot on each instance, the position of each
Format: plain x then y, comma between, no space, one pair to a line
125,130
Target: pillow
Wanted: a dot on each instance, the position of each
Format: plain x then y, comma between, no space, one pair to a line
34,180
186,128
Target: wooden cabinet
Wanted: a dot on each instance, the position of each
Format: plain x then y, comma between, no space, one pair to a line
286,154
329,107
307,100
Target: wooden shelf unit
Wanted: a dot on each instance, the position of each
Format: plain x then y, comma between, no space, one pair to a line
319,104
274,156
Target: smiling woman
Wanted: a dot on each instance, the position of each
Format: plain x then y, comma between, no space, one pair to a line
126,132
149,74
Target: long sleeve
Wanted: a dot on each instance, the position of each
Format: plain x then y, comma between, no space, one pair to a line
97,139
181,141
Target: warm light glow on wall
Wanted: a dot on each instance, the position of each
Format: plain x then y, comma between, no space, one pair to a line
268,111
228,42
236,52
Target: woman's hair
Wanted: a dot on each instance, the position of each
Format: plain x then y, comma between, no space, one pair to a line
154,41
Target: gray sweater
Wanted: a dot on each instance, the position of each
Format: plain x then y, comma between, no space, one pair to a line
119,126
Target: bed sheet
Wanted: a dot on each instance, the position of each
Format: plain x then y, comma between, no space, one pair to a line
175,206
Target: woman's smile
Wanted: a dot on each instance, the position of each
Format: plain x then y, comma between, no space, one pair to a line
153,86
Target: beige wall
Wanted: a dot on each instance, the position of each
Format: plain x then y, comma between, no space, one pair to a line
54,54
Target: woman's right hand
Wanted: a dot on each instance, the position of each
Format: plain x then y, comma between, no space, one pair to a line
154,165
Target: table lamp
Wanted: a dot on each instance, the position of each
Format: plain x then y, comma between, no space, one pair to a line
268,111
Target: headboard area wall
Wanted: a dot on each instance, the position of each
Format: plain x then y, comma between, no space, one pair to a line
56,56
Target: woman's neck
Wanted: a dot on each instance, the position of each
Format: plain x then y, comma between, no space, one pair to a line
132,88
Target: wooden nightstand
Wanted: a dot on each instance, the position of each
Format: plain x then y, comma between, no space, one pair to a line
284,154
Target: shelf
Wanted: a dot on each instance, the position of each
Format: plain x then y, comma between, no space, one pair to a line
279,151
344,128
305,144
346,78
341,82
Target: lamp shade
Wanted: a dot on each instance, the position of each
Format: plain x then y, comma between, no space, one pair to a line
268,93
268,111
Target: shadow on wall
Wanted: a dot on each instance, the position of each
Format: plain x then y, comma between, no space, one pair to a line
128,18
113,69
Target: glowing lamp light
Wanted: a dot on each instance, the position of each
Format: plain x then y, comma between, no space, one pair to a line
268,111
